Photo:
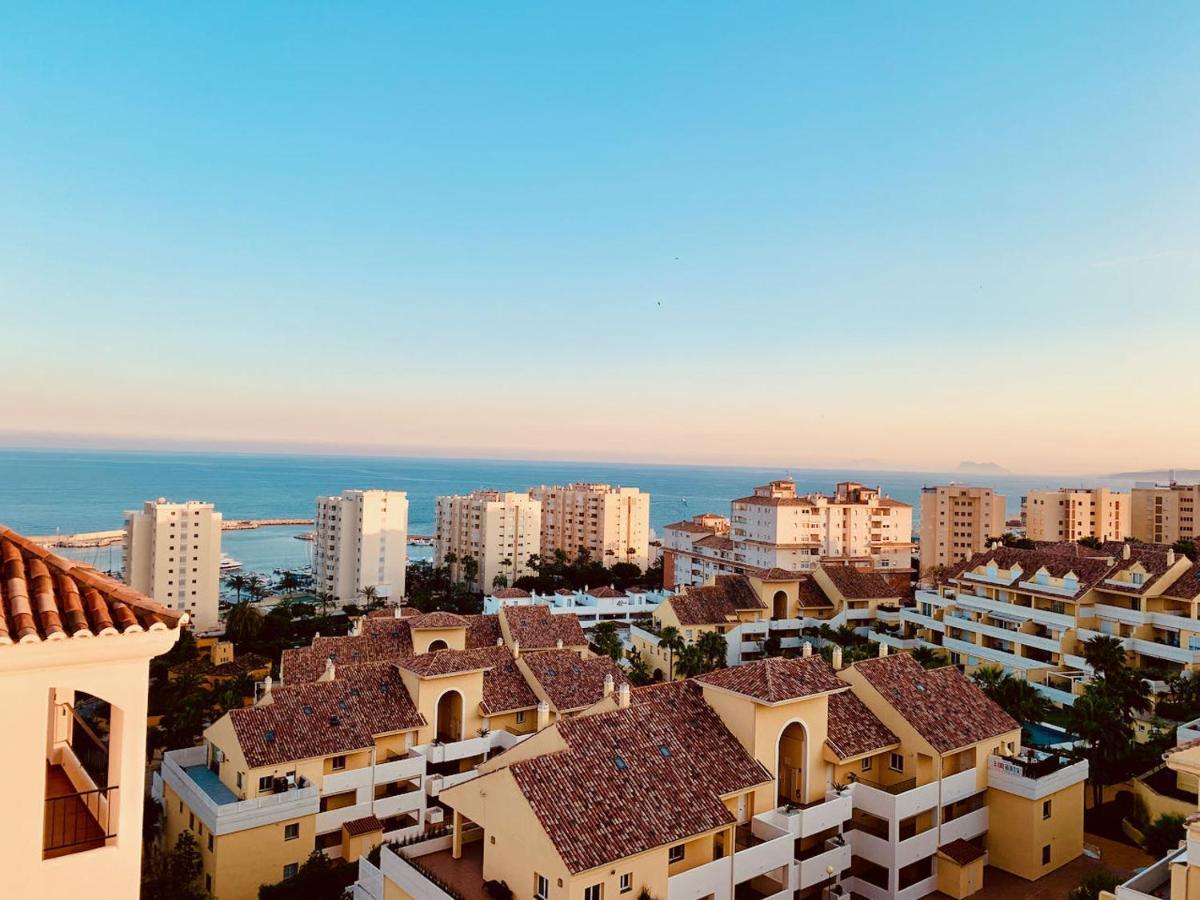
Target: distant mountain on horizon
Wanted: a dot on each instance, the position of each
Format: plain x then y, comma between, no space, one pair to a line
970,466
1160,475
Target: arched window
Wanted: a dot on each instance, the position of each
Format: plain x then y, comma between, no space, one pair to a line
81,790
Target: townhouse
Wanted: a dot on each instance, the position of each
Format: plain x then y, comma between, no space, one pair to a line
780,778
776,528
1029,611
751,609
365,732
75,648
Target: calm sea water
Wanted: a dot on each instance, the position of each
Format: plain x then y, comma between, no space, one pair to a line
42,491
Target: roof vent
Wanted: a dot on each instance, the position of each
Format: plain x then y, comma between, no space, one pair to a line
334,720
619,762
270,736
664,750
308,710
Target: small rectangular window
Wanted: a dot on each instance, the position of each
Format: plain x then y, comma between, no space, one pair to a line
626,882
897,762
290,870
866,764
1046,809
541,887
675,854
593,892
1046,855
291,831
339,762
264,784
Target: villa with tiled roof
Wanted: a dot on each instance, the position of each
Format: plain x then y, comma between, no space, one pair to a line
778,778
75,647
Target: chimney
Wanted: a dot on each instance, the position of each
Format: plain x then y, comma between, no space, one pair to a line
1125,552
543,715
558,643
1170,557
327,675
608,685
837,657
883,649
516,649
806,650
266,699
499,642
623,695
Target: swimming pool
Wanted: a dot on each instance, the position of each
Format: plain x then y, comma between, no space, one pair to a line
1045,735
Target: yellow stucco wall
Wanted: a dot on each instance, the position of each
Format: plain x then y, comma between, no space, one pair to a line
1017,832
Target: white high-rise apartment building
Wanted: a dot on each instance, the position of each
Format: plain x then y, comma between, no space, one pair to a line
1069,514
361,542
173,554
957,520
611,523
500,531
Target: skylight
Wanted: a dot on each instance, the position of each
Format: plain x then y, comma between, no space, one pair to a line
619,762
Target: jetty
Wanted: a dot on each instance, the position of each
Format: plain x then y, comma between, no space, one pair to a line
108,538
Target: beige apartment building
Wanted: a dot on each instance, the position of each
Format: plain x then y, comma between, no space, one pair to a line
361,543
173,554
500,531
956,522
1165,513
1069,514
611,523
776,528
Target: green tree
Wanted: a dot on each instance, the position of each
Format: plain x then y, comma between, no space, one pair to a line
1106,655
237,582
173,874
690,662
325,600
319,878
1187,547
989,679
470,568
1093,885
243,623
369,594
607,640
289,582
499,582
671,640
1163,835
1100,722
638,672
713,649
927,657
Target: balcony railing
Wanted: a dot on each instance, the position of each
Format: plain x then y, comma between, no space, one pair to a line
79,821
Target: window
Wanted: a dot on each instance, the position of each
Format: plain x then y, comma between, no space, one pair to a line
339,762
626,882
1046,809
675,854
208,884
1046,855
593,892
289,871
521,717
896,764
241,777
264,784
541,887
192,820
866,765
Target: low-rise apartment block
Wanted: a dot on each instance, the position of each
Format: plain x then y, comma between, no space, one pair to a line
1069,514
498,531
781,778
957,521
75,648
611,523
361,542
776,528
1165,513
366,732
590,605
173,554
1030,611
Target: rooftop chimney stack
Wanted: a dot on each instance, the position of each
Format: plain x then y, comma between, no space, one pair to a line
806,650
608,685
837,657
328,674
623,696
883,649
543,715
1125,552
516,649
266,699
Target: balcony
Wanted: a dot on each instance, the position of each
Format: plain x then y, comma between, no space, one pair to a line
814,818
75,820
1034,774
967,826
1002,657
960,785
912,617
835,854
334,818
895,801
708,880
1041,616
1153,883
218,807
896,643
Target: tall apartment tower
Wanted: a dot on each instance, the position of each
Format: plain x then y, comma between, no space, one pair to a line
1068,514
1165,513
173,554
611,523
500,531
361,542
956,522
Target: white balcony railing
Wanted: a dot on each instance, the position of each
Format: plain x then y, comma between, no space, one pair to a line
836,856
836,809
708,880
916,847
966,827
412,801
333,818
1010,776
410,882
348,780
892,807
961,785
369,885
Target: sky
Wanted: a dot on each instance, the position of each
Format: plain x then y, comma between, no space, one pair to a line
772,233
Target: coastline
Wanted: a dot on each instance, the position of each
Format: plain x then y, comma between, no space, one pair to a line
85,539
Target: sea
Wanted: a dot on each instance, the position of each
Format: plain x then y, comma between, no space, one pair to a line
69,491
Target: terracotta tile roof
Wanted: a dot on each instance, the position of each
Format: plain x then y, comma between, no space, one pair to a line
450,662
756,500
482,631
1153,561
636,778
715,542
855,584
776,679
391,640
715,603
367,699
943,705
570,682
606,592
1088,569
689,526
44,597
811,595
365,825
1186,586
961,851
504,686
302,722
510,593
1179,748
776,574
243,663
437,620
854,729
536,628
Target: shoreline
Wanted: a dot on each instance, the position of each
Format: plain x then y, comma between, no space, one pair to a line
85,539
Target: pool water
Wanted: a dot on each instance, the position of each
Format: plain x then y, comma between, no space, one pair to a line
1044,736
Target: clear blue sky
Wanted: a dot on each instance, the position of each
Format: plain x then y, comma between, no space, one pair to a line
431,224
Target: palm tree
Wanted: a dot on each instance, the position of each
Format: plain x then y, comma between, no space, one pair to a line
1104,654
691,661
927,657
326,600
370,595
670,639
989,680
237,583
255,586
243,623
639,672
713,647
289,582
606,640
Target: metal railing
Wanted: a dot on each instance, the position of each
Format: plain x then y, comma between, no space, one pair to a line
90,750
80,820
